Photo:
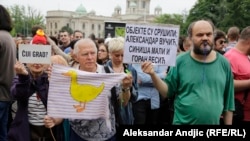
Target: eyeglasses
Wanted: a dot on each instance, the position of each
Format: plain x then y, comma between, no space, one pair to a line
221,42
102,50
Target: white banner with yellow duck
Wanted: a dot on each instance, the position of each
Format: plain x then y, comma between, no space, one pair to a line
75,94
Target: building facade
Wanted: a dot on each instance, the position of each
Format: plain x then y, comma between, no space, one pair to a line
137,11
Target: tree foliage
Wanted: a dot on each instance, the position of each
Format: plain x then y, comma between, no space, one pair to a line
24,18
223,13
175,19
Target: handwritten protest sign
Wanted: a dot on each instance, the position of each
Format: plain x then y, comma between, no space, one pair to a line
155,43
34,53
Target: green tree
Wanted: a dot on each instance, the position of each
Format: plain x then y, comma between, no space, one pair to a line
24,18
203,9
223,13
175,19
237,14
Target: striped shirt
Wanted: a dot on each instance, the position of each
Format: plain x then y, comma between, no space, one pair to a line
36,110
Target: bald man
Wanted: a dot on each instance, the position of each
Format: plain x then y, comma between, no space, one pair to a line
201,81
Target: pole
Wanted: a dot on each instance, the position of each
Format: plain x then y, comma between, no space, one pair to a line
145,13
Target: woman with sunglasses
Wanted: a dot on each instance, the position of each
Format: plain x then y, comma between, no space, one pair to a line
220,41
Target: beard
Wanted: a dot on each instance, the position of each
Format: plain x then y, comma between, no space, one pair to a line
207,48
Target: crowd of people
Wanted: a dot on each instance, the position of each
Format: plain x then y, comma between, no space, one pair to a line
212,69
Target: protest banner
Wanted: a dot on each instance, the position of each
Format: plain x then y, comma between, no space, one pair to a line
155,43
40,54
75,94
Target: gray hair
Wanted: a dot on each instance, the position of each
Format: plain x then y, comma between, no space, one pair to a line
116,44
80,42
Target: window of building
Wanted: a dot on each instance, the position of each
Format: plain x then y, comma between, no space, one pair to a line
50,25
143,4
73,25
83,25
67,24
55,25
93,26
99,27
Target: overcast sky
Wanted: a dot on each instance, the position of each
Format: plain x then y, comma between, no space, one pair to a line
102,7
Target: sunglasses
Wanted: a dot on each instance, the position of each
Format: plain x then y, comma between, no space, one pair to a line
221,42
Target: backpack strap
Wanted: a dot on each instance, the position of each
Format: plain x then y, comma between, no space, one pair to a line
114,100
106,68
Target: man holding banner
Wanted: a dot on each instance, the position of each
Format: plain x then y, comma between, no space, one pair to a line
201,81
100,128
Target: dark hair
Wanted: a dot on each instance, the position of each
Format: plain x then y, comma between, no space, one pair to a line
92,36
181,40
77,31
61,31
54,39
190,27
5,22
72,43
107,58
34,29
19,35
105,45
100,40
219,34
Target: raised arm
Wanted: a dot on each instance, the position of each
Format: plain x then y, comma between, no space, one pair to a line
160,85
58,51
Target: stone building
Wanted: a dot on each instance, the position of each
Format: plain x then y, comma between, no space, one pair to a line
137,11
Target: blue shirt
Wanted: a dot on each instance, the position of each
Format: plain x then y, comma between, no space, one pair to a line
146,88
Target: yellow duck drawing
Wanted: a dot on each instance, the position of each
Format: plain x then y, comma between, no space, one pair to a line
82,93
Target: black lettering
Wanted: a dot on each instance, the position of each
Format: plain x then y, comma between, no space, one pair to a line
137,58
141,39
136,30
40,54
167,41
26,53
168,51
157,60
165,32
138,49
158,50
